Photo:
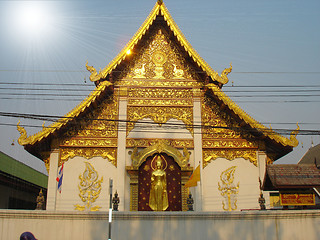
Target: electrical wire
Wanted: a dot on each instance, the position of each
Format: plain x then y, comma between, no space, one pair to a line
147,124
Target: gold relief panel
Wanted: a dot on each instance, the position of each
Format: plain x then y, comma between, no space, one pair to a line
88,153
225,143
161,102
87,142
160,115
218,124
160,93
89,188
229,154
163,83
228,189
159,58
101,122
176,143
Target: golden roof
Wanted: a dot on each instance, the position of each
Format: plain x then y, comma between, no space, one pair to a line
46,131
293,142
159,9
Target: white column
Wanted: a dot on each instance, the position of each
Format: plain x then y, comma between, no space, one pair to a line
119,183
197,152
52,183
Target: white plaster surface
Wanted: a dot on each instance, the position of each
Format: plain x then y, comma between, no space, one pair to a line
248,225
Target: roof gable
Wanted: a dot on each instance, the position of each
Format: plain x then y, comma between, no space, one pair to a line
159,12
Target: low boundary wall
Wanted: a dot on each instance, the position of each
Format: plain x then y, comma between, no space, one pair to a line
299,224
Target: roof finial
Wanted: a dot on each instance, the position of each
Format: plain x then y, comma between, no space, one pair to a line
160,2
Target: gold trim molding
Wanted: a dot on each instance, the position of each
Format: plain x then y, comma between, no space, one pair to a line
160,115
160,147
232,143
230,154
90,142
88,153
147,142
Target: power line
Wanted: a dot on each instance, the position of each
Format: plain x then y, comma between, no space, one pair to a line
54,118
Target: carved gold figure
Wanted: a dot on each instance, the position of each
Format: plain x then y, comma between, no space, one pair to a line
158,200
228,190
140,72
90,188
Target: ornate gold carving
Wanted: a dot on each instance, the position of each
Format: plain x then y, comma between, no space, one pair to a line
23,139
88,153
163,83
160,93
101,122
161,102
293,137
177,73
229,154
160,147
90,188
140,72
160,9
228,190
159,58
160,115
94,75
159,54
224,75
133,173
93,142
225,143
219,124
160,97
293,142
147,142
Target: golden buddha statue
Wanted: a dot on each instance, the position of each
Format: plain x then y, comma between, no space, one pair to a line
158,200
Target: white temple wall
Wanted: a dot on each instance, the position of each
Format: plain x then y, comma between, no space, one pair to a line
246,174
73,168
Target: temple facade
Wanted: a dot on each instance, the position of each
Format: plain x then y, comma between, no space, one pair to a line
157,113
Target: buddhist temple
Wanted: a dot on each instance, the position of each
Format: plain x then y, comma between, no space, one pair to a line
157,113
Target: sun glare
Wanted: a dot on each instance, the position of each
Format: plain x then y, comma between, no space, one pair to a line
31,20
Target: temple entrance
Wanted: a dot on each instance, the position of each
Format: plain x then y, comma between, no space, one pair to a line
159,184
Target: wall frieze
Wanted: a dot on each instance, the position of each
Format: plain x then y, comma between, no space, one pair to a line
231,143
160,115
162,93
147,142
88,153
89,142
229,154
161,102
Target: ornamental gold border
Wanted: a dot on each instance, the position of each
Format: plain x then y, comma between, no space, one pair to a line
160,115
86,142
88,153
161,102
230,154
146,142
163,83
232,143
164,93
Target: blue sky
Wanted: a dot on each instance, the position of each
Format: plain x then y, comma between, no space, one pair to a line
270,43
